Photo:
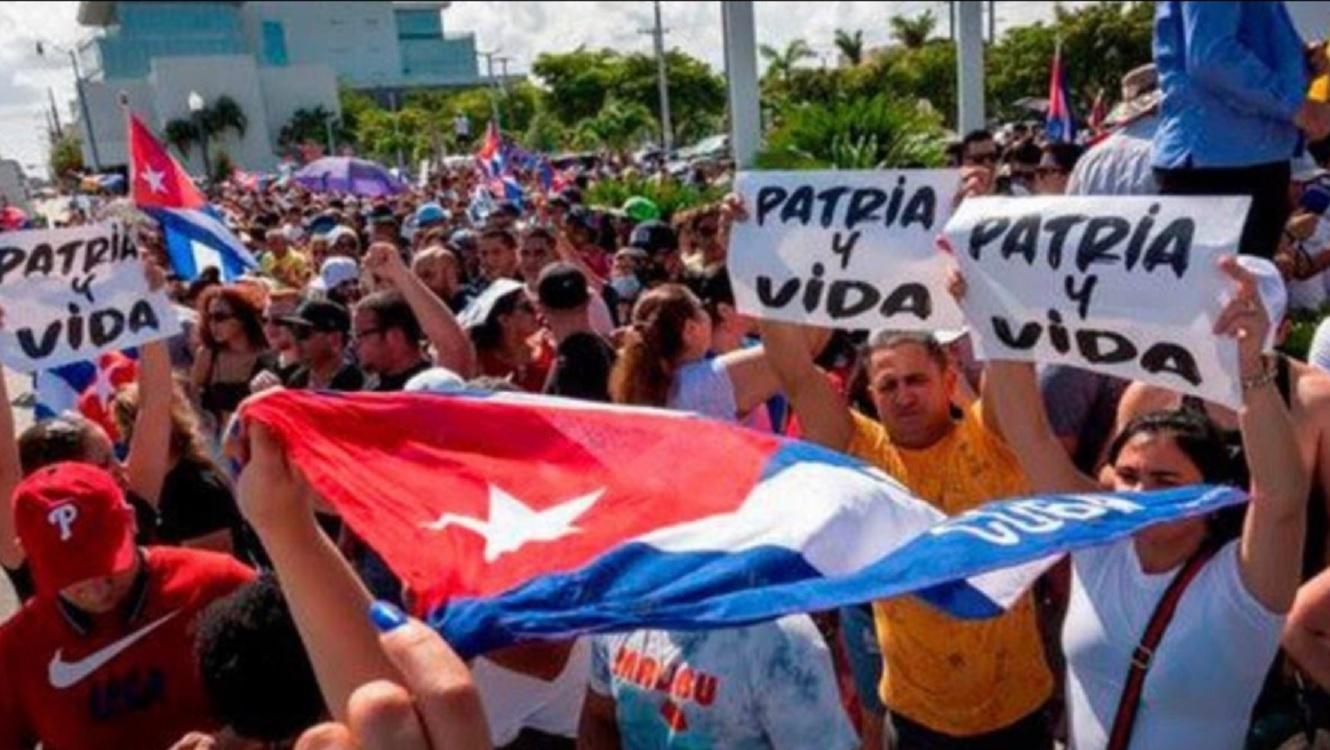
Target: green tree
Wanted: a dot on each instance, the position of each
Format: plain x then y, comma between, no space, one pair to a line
851,46
1105,40
617,127
223,114
578,82
913,33
66,157
310,125
854,133
182,134
780,63
545,133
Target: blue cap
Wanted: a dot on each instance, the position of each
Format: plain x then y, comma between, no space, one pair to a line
430,213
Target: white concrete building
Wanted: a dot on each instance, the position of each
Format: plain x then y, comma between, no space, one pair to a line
272,58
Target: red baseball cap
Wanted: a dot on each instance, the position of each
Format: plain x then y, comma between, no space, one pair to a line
74,524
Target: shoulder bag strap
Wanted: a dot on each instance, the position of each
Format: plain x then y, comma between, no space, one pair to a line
1130,701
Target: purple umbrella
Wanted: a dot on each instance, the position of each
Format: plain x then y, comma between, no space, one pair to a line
343,174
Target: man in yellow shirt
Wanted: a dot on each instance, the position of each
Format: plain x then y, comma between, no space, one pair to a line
945,682
282,262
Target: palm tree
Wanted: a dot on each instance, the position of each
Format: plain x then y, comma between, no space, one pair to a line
851,46
913,33
224,114
182,134
781,62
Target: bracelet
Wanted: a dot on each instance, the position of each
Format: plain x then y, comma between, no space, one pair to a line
1260,380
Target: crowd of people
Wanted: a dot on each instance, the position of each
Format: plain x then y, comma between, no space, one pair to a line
171,602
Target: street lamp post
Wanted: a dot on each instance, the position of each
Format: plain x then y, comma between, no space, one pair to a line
196,110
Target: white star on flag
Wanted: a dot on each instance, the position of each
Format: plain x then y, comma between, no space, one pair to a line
155,180
513,524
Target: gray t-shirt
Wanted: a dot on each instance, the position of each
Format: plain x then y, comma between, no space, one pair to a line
761,687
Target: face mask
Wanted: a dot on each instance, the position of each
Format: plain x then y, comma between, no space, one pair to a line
626,287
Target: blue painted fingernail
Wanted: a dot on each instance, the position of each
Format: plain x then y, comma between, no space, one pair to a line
386,617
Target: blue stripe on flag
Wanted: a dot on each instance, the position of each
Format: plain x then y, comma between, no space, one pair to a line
196,239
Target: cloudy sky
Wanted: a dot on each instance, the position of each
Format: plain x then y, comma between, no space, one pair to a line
521,30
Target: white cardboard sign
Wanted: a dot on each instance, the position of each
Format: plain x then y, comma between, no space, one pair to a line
1127,286
845,249
71,294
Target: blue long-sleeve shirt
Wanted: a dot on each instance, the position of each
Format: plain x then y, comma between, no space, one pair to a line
1233,76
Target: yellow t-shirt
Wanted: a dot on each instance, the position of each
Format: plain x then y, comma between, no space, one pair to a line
961,677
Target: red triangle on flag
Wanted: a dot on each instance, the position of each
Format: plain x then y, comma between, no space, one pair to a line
156,179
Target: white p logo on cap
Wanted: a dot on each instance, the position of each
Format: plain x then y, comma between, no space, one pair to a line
63,516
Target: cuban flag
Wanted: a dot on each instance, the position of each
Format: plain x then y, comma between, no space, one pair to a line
491,154
85,388
195,237
514,516
1060,125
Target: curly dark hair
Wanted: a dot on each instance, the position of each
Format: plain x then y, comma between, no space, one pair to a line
255,671
246,304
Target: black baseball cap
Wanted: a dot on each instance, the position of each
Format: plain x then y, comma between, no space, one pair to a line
321,315
654,237
562,286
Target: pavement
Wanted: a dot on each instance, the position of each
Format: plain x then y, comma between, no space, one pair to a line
20,388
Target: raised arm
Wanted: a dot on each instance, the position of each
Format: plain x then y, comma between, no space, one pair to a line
823,415
1307,633
452,347
1012,402
149,456
1272,537
327,601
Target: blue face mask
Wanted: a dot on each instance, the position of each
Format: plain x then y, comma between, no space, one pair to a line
627,287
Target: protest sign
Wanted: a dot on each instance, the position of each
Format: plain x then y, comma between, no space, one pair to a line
70,294
1127,286
846,249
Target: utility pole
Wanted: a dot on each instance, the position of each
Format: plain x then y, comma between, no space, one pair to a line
992,21
83,101
55,114
657,33
489,73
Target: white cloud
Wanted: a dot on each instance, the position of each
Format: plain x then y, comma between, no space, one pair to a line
520,30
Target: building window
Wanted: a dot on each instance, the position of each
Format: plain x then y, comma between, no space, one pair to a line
274,43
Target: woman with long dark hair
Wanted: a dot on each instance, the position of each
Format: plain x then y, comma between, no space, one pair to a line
232,348
1205,673
663,361
195,507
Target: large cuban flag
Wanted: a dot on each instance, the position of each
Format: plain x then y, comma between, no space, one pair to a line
512,517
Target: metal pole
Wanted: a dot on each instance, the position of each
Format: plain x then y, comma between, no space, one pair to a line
83,108
741,63
55,114
663,82
494,102
328,130
992,21
970,66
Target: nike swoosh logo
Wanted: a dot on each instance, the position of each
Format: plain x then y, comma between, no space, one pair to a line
63,674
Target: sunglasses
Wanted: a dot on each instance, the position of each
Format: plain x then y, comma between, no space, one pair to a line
220,317
1049,171
981,159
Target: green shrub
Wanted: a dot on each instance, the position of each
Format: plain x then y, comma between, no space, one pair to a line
670,196
855,133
